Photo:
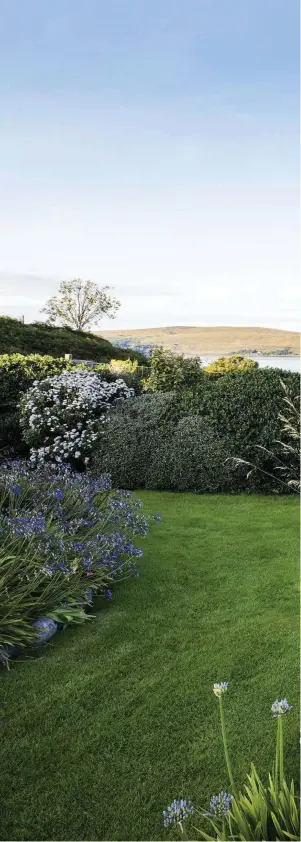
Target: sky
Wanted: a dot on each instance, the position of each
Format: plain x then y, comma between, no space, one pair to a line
152,145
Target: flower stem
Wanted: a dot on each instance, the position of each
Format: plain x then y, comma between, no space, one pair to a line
277,762
182,831
227,758
280,746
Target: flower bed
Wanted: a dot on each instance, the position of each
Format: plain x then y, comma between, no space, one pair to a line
65,537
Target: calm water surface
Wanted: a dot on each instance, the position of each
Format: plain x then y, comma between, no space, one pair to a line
286,363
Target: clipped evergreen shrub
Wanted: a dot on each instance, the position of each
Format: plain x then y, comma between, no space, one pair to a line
131,436
243,408
182,440
191,459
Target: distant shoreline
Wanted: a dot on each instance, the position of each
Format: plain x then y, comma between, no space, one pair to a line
252,342
251,354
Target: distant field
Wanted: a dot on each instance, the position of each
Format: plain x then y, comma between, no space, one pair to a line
211,340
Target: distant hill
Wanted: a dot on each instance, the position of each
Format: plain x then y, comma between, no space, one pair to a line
39,338
212,340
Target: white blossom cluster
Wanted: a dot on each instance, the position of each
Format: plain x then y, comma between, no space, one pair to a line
62,416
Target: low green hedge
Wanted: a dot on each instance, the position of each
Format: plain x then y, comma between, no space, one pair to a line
191,459
17,373
146,444
131,437
243,408
182,440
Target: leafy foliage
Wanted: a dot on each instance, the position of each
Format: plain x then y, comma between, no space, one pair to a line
182,440
80,304
27,593
130,437
226,365
129,370
244,409
171,372
64,537
259,811
17,373
290,443
190,459
286,471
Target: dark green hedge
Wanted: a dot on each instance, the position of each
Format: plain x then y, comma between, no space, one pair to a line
132,436
182,441
17,373
39,338
191,459
243,408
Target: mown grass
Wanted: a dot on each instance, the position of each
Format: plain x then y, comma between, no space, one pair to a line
112,721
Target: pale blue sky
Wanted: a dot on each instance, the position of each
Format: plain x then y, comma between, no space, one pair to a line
152,145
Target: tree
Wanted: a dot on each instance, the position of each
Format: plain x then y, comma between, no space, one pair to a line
80,304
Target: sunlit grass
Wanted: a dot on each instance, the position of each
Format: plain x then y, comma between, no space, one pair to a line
115,719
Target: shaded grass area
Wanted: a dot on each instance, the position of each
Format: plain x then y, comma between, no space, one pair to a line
115,719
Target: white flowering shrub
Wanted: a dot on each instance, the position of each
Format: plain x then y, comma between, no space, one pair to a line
62,416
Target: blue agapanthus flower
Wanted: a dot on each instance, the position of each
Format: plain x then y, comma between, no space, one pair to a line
14,489
279,708
27,525
76,524
177,812
219,805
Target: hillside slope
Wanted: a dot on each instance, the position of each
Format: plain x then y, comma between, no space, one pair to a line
212,340
39,338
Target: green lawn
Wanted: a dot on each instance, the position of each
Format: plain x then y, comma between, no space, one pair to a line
115,719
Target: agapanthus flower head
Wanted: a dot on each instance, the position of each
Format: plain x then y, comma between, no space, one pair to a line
280,707
219,805
27,525
220,688
177,812
14,489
